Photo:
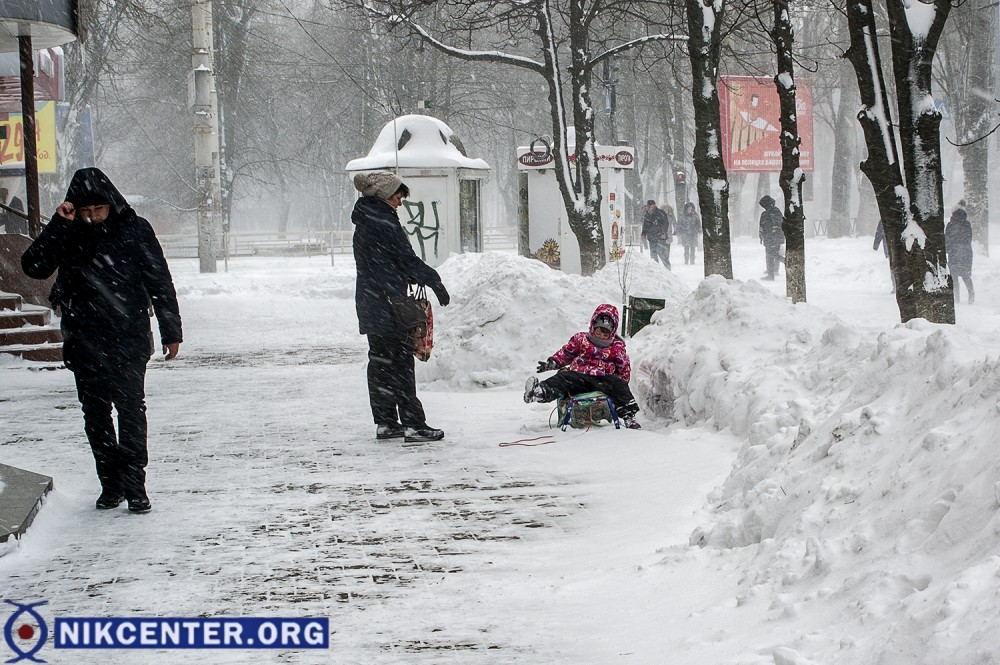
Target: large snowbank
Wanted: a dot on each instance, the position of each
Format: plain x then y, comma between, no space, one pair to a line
509,312
866,490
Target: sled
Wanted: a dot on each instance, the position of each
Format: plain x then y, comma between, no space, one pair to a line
585,409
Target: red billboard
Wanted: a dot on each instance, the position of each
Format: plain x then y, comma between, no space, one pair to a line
751,125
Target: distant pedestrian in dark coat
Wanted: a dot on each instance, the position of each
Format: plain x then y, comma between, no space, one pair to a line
958,243
880,240
771,235
111,270
11,222
689,230
655,230
387,265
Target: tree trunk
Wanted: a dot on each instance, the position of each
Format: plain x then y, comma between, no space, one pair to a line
705,40
968,74
579,184
920,140
791,176
911,266
844,171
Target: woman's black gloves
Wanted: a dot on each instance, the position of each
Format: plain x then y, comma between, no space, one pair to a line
441,293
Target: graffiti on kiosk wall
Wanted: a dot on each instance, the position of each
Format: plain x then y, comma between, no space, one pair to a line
416,225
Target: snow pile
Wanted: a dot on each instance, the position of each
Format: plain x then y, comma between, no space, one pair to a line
508,312
866,491
429,143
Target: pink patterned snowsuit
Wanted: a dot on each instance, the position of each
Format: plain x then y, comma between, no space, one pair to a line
586,366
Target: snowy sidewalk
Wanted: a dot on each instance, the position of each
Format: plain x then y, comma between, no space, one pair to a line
271,497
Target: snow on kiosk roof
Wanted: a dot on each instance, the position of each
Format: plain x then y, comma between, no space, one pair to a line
416,142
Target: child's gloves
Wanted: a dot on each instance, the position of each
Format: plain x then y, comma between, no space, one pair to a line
546,365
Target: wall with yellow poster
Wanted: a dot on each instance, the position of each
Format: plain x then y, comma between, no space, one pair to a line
12,146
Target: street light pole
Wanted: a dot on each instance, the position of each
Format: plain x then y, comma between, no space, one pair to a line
206,136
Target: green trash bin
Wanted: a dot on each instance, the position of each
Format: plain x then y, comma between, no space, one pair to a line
640,312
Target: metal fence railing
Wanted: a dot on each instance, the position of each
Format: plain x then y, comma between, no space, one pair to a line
291,243
298,243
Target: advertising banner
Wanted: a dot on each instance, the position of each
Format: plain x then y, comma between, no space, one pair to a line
751,124
12,145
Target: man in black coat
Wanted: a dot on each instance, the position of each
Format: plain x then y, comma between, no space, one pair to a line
656,231
111,269
387,265
771,235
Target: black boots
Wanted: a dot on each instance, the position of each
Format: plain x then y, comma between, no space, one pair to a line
422,433
109,500
393,431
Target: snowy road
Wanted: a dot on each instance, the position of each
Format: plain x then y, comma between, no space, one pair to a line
271,497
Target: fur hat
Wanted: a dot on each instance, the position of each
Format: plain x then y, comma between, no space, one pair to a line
766,201
381,184
651,202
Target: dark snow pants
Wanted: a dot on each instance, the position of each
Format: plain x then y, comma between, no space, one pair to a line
566,382
772,256
660,251
120,459
690,249
392,384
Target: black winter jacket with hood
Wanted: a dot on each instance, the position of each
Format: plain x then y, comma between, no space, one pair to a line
109,275
386,264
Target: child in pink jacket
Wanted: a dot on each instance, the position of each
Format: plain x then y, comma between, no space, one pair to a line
593,360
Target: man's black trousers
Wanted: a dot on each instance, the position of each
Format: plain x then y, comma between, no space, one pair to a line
121,460
392,385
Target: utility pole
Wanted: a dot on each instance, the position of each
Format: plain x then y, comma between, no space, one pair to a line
610,96
206,134
28,125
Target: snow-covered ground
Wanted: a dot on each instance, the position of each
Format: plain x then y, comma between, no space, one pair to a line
814,483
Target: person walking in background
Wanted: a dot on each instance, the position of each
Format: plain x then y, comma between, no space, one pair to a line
11,222
670,232
688,231
655,226
387,265
958,245
880,240
111,269
771,235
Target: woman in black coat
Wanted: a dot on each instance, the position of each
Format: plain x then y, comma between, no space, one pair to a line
958,244
111,270
387,265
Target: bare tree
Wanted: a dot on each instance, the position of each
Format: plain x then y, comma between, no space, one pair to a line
704,46
791,177
585,31
907,185
967,78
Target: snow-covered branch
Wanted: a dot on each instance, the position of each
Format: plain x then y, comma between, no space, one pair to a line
635,43
464,54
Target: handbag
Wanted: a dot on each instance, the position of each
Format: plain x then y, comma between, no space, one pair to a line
423,336
413,313
408,311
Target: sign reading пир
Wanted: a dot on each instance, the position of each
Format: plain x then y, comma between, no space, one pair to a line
26,632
